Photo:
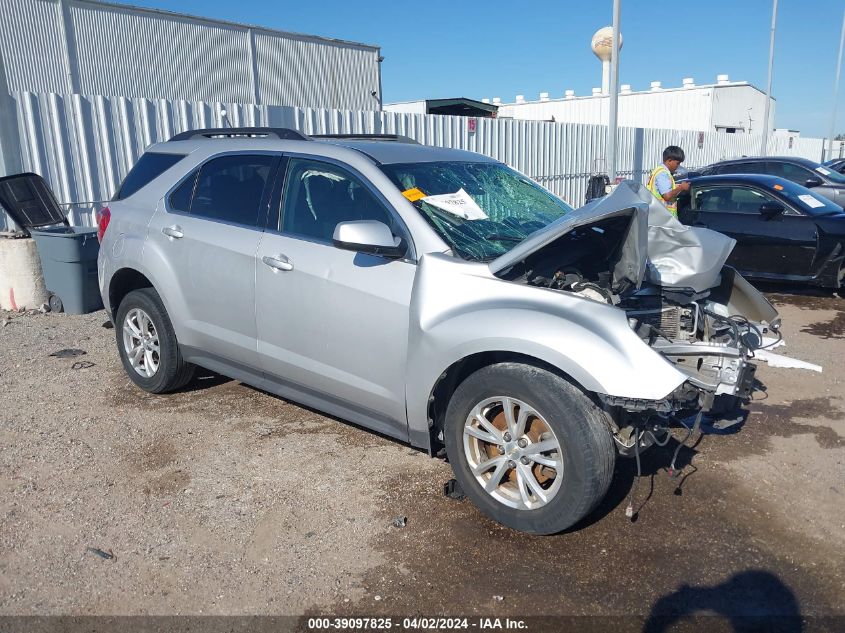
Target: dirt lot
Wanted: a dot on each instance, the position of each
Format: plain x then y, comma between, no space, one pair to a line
225,500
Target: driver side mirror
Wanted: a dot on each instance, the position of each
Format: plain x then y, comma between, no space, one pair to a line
770,210
368,236
813,182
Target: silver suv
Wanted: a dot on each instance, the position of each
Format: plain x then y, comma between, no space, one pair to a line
434,295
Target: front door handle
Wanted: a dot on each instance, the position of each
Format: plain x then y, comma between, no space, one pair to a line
281,262
174,231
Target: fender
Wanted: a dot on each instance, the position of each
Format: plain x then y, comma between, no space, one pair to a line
132,249
461,308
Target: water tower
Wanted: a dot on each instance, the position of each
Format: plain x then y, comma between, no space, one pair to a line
602,44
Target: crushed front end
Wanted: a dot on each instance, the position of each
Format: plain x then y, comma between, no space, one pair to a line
708,338
681,300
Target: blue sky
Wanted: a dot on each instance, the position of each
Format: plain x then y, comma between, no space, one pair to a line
444,48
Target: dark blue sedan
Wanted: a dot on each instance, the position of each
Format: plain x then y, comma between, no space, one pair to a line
784,232
836,164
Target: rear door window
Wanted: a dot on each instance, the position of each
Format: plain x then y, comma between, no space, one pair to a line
150,166
788,171
228,189
730,200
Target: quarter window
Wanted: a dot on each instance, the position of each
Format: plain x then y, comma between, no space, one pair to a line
318,196
741,168
229,188
180,199
149,166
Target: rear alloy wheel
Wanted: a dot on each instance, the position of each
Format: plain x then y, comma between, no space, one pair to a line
530,449
140,342
147,343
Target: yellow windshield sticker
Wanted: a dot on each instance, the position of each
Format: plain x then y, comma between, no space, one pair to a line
778,187
413,194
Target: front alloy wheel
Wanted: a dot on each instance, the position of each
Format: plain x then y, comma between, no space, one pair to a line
529,448
513,453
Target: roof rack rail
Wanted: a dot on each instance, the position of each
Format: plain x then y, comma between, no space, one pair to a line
395,138
235,132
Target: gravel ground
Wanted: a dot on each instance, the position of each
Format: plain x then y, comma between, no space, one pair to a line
222,499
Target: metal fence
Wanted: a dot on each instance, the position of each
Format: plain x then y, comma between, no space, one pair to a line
85,145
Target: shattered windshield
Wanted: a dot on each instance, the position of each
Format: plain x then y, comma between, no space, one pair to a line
482,210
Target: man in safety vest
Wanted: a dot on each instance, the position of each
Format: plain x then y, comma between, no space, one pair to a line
661,181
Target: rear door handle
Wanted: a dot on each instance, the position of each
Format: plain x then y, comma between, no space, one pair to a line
174,231
281,262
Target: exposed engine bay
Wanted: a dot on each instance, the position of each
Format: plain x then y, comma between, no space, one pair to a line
708,334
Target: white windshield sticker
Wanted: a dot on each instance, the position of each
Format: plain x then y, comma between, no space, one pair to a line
823,170
811,201
459,203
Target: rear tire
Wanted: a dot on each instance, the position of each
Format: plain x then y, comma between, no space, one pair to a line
141,323
556,411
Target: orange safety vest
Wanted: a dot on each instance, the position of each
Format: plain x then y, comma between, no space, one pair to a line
652,187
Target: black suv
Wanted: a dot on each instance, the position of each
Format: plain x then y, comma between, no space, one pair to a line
807,173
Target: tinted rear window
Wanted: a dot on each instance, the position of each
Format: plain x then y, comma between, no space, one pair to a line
148,167
741,168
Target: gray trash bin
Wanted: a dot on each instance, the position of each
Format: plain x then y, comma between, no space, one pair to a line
69,262
68,253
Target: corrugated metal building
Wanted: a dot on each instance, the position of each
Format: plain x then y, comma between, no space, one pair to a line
93,48
725,106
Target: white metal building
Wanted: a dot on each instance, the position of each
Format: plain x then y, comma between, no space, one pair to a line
94,48
724,106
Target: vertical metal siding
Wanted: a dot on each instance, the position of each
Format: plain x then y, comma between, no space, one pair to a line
31,46
133,52
85,145
124,52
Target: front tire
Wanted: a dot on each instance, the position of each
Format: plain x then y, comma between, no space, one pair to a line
147,343
530,449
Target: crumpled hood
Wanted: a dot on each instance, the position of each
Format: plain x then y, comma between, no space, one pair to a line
658,248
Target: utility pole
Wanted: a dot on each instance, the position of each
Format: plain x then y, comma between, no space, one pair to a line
836,91
614,95
764,149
